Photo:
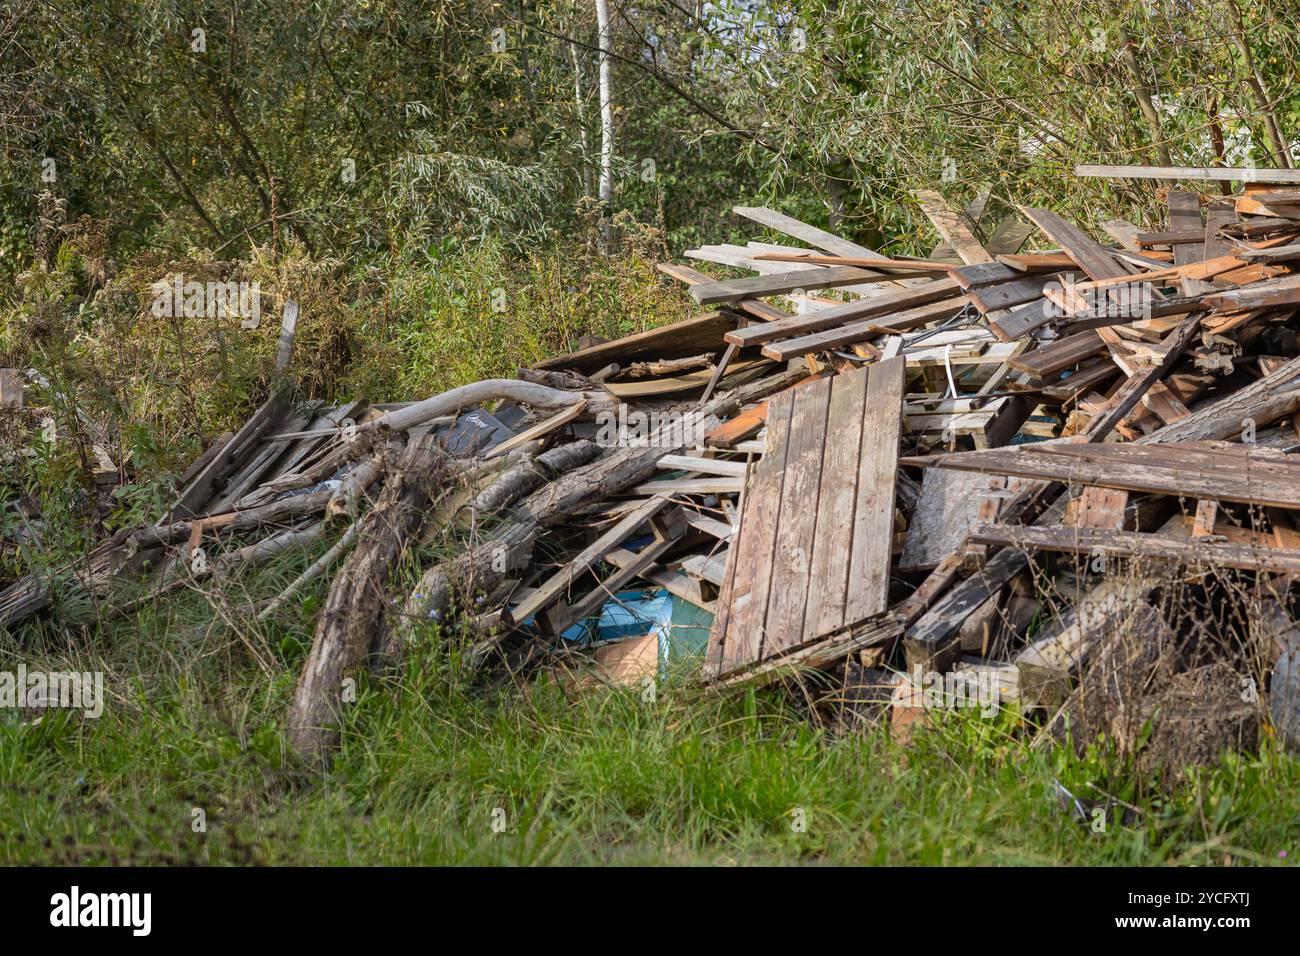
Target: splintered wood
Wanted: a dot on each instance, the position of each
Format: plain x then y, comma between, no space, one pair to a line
817,524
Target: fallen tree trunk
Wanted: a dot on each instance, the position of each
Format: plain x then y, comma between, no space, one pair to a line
476,393
527,476
354,617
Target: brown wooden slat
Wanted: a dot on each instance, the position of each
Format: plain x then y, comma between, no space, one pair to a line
930,291
1132,544
1185,216
873,517
1082,248
855,332
1061,354
1228,473
680,339
753,550
829,574
1006,295
792,557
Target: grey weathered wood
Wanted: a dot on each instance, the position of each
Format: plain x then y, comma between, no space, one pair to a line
796,524
929,291
193,497
953,227
835,338
743,639
1047,666
1185,215
809,234
553,587
732,290
1020,291
828,577
946,512
1216,174
1221,471
873,516
288,330
1196,552
1276,254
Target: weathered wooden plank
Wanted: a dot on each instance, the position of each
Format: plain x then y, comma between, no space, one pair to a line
540,430
1185,216
946,512
1123,232
1060,354
753,549
1258,296
1287,253
783,283
815,656
833,539
873,516
1217,174
855,332
953,227
1240,473
1047,665
689,337
792,557
193,497
801,230
1022,320
930,291
708,466
1082,248
555,586
1195,552
930,642
988,273
1005,295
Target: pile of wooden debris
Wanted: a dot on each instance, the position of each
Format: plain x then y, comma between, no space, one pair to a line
980,465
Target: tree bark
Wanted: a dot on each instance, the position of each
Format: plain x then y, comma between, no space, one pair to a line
355,613
606,124
1255,80
1145,100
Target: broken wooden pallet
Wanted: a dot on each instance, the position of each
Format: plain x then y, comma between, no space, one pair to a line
812,554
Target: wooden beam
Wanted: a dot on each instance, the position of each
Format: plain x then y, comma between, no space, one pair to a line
1214,174
1196,552
953,227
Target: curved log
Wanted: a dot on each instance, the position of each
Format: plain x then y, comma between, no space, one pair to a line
476,393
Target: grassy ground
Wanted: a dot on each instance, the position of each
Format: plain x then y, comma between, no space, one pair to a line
434,770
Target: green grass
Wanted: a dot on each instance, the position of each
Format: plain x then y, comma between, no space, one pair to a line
589,775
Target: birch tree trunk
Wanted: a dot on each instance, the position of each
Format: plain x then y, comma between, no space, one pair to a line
606,123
